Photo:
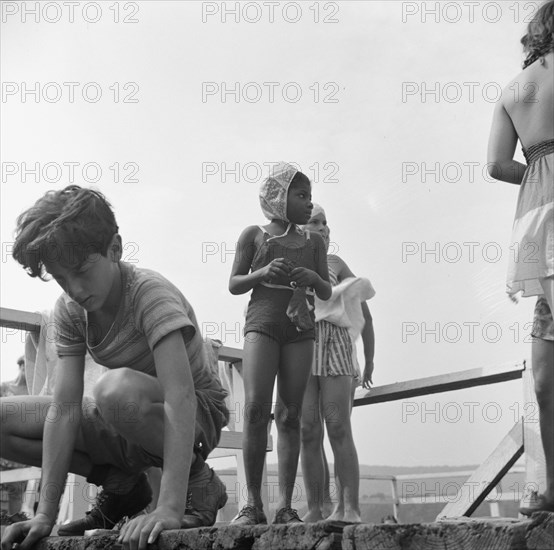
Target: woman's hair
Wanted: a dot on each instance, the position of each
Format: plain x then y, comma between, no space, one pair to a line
63,227
539,39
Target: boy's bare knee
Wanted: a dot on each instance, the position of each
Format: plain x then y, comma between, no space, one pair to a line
110,388
119,402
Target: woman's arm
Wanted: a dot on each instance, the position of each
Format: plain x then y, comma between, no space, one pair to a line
368,339
502,145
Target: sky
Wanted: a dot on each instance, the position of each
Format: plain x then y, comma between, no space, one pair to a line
177,110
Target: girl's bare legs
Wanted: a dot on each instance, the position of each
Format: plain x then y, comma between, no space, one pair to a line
543,374
337,404
338,512
259,368
313,462
294,370
327,505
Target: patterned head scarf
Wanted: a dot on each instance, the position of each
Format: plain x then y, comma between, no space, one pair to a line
274,189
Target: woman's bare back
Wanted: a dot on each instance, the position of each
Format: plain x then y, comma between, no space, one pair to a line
529,101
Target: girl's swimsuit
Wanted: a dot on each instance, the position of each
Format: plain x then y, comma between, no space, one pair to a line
267,309
532,246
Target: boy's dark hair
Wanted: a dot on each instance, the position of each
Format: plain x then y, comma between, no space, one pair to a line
63,227
539,39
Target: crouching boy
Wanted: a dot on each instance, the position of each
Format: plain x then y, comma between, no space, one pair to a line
158,405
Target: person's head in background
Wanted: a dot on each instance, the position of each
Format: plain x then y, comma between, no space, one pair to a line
318,224
21,374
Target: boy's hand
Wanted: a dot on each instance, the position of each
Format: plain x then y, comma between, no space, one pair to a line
25,534
368,375
137,533
279,267
303,276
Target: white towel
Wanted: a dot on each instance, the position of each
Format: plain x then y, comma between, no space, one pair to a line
343,307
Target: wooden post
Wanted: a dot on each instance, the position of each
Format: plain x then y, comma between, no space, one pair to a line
475,489
395,500
535,464
75,501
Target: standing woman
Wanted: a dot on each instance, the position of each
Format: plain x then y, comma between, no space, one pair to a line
529,118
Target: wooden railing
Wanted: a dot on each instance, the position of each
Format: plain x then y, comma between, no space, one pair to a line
478,485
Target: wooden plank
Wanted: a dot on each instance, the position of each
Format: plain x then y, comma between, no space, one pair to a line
20,320
474,491
500,496
230,355
437,384
233,440
19,474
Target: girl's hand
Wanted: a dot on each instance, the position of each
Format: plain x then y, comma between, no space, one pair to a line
303,276
279,267
368,375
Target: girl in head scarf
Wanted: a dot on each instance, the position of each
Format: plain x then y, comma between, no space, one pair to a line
283,266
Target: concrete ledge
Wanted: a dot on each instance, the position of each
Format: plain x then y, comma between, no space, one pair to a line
463,534
540,533
495,534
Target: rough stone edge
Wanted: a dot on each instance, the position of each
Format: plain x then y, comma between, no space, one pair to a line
297,536
401,536
540,531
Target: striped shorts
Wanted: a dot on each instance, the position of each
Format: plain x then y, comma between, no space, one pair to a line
334,352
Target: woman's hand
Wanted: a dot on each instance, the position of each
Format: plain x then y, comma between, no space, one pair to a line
367,379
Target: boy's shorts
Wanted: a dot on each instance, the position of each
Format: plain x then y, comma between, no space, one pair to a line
105,446
543,324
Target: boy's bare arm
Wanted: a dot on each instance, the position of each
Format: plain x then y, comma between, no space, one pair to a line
60,431
175,377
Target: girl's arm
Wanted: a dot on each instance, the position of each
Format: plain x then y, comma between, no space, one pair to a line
368,334
502,145
368,339
241,280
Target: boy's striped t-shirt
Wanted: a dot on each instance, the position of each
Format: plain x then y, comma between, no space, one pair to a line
151,307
